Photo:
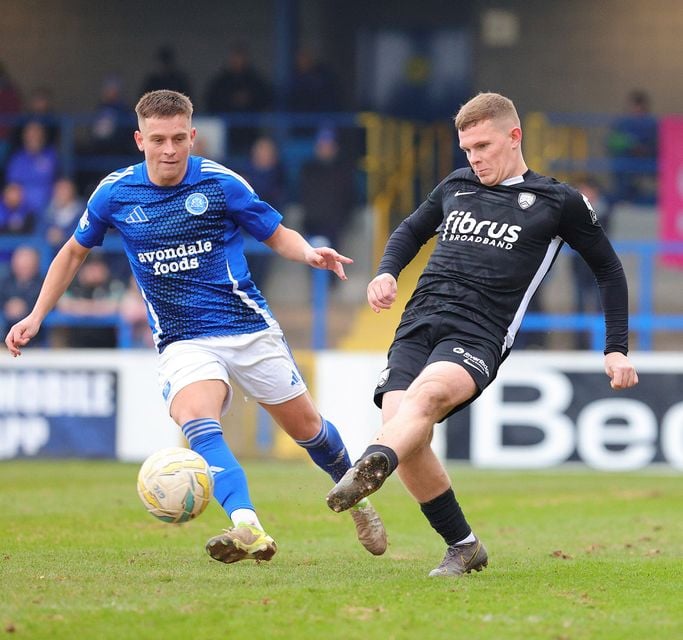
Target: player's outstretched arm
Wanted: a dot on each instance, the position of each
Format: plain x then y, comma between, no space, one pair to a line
293,246
382,292
620,371
59,276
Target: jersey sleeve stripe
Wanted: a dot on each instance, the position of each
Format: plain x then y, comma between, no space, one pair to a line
115,176
209,166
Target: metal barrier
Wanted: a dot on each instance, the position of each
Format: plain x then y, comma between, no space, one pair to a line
403,162
124,331
645,322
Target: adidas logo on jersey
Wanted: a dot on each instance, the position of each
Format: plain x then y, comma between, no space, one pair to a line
137,215
462,226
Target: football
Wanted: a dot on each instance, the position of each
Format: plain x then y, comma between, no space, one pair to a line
175,484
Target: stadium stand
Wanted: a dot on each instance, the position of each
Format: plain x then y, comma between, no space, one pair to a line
397,162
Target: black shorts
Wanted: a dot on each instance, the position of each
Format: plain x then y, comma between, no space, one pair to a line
439,338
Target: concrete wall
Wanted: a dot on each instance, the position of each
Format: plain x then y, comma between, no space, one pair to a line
582,55
70,45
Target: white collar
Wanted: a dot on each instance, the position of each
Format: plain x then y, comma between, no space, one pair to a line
511,181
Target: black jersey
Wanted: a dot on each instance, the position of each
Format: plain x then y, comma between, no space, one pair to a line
494,246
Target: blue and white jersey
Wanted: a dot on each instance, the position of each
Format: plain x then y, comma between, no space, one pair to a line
185,247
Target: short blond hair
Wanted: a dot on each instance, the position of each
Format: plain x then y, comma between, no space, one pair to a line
485,106
163,104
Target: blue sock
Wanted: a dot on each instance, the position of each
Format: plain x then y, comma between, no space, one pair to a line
230,482
327,450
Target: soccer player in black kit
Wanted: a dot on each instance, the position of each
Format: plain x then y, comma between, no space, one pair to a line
499,227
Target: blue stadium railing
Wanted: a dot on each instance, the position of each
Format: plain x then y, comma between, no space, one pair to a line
645,322
319,293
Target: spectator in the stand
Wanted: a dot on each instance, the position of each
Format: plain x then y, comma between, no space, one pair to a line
266,174
112,126
586,292
94,294
239,88
167,75
39,108
314,85
110,133
632,144
134,311
16,216
20,287
326,190
10,106
63,212
34,166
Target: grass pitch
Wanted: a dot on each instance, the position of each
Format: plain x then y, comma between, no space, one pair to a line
573,554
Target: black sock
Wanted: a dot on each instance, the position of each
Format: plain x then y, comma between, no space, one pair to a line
387,451
446,517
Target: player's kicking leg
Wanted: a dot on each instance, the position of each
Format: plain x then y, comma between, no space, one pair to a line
362,479
331,456
327,450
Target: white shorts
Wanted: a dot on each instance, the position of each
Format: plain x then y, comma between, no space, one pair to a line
260,363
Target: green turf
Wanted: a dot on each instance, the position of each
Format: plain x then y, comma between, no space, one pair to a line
573,555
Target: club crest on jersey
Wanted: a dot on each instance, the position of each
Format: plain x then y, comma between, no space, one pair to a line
196,204
526,199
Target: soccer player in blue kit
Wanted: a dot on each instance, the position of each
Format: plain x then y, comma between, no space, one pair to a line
180,217
499,228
